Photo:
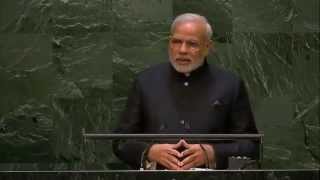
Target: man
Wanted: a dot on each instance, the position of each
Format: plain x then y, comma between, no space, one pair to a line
186,95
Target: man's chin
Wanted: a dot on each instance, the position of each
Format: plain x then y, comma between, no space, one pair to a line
183,68
186,67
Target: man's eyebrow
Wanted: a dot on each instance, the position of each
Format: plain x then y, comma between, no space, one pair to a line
175,38
187,39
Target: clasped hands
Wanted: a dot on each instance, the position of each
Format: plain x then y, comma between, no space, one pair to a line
192,156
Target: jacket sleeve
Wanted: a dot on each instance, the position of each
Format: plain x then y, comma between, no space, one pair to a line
131,121
240,121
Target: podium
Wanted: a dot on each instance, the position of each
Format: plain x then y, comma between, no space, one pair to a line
229,174
235,162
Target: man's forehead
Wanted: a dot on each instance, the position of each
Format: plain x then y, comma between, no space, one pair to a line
185,37
199,25
192,29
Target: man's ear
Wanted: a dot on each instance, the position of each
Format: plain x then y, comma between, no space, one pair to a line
211,46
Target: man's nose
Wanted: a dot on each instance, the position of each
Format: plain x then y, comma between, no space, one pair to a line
183,48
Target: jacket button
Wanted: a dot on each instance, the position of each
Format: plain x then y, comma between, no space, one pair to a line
186,84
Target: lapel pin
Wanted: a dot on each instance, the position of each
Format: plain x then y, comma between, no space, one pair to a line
216,103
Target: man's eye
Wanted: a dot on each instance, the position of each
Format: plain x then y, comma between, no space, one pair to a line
193,44
176,41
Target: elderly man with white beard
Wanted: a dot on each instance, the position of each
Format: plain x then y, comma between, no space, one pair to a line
186,96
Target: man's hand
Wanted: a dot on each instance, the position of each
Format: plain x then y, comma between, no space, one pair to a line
194,156
166,155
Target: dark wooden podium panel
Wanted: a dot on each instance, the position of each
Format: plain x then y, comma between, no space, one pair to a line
163,175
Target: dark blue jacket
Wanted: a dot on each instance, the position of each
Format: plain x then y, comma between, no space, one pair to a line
209,101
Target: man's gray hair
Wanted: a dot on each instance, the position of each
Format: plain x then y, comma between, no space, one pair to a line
187,17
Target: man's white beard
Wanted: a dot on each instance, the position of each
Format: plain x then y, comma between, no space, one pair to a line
186,68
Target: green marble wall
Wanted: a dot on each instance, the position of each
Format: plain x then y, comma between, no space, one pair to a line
67,65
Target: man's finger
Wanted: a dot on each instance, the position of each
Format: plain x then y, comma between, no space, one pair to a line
188,166
184,143
174,153
179,144
187,152
188,160
174,160
169,165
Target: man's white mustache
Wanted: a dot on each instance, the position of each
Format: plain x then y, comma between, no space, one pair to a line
183,59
